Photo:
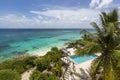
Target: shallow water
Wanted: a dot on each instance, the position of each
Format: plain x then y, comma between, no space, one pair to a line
15,42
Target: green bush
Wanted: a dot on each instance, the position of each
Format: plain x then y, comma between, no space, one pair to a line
57,69
29,61
54,55
20,65
46,76
6,64
42,63
54,49
35,75
9,75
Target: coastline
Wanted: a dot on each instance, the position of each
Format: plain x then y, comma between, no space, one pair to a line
37,44
44,52
40,53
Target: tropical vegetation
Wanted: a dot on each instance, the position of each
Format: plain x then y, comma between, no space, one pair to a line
19,64
48,67
106,40
9,75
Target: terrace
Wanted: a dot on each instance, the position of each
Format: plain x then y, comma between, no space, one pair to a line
74,70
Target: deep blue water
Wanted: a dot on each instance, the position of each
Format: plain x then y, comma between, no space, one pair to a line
15,42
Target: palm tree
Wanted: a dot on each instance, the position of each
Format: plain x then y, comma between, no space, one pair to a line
106,40
86,35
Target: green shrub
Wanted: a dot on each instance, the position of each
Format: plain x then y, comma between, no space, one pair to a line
46,76
20,65
54,49
41,64
35,75
54,55
29,61
6,64
9,75
57,69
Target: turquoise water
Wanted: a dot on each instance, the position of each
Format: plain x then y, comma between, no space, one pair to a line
79,59
15,42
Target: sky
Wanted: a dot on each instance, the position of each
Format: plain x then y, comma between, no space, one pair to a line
53,13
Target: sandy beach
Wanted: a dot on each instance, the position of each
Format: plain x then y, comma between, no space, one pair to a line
44,52
40,53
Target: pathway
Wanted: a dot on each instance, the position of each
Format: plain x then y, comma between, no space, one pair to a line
26,74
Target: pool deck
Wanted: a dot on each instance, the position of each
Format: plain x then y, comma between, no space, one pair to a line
81,67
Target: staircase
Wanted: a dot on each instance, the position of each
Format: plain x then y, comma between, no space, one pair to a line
69,68
67,75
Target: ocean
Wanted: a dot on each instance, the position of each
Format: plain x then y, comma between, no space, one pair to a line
16,42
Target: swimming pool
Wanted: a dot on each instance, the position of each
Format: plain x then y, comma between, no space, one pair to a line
79,59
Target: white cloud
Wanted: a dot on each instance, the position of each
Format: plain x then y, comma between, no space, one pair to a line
58,18
93,3
98,4
119,8
17,21
70,17
104,3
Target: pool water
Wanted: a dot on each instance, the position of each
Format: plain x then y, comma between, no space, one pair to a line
80,59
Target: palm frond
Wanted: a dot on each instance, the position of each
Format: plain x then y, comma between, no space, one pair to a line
96,27
96,64
107,41
102,20
117,47
87,35
89,48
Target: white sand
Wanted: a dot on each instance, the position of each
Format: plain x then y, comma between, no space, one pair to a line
40,53
82,69
44,52
26,74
